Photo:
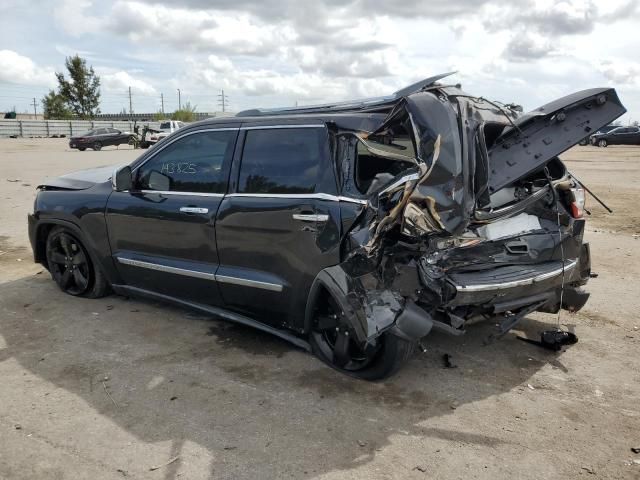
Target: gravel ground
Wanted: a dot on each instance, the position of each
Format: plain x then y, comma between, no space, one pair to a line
117,388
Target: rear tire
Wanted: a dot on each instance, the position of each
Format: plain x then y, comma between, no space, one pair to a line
97,146
71,266
82,149
602,143
378,362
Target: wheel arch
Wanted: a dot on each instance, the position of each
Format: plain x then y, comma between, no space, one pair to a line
43,229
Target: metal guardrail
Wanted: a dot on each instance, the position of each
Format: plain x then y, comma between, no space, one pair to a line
68,128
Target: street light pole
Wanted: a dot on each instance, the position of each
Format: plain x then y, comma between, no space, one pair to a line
179,101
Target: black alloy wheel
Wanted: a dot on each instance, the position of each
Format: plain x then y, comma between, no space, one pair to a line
332,341
332,336
68,263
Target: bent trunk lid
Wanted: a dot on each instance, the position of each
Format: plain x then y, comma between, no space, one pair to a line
544,133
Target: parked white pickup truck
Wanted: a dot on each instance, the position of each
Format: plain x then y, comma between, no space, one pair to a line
166,128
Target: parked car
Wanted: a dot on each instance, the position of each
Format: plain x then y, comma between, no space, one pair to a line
101,137
351,230
166,128
617,136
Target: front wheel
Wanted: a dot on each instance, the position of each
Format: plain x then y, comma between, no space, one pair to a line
82,149
71,266
602,143
332,342
97,146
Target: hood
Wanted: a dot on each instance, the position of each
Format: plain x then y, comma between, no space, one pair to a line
80,180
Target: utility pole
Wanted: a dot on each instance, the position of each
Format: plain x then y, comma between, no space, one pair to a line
179,101
223,100
35,113
130,103
162,102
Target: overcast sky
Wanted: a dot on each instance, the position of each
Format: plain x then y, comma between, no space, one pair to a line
279,52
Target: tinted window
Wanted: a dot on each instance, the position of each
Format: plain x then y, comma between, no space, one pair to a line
165,126
281,160
193,163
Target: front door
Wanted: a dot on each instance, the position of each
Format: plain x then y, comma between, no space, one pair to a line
162,232
274,231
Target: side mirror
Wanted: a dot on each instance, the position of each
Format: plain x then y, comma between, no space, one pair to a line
122,179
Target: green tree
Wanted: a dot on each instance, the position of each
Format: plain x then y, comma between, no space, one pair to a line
186,113
159,116
55,107
81,92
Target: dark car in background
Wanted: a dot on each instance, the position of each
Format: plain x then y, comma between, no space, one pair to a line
352,230
617,136
101,137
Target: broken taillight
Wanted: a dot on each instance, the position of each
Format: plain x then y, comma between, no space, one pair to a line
577,202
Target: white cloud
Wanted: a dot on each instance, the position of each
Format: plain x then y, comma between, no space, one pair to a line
276,52
121,81
623,72
15,68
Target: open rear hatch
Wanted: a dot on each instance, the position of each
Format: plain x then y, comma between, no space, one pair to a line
544,133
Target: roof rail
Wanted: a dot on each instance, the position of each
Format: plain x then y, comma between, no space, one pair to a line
362,104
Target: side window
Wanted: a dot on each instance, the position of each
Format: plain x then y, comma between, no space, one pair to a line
193,163
283,160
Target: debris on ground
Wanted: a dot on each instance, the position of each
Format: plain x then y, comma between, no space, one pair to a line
455,404
589,470
447,361
552,339
13,180
361,443
18,426
158,467
420,468
635,449
107,391
531,387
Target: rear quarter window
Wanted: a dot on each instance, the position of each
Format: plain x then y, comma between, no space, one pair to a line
285,161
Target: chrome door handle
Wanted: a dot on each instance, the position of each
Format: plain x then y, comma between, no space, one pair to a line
313,217
194,210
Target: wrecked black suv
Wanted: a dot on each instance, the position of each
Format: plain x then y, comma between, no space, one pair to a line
349,229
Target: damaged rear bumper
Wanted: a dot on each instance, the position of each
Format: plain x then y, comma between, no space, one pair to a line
409,312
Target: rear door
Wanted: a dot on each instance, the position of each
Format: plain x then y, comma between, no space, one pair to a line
279,225
162,232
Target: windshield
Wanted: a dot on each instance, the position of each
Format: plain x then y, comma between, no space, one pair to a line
165,126
88,133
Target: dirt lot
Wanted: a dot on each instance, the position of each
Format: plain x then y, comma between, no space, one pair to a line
113,388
